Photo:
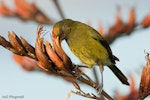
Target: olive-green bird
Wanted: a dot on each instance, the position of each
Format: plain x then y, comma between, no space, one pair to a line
88,45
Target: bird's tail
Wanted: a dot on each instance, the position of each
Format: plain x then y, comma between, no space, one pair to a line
119,74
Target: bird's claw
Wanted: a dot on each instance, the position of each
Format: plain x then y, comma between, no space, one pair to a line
99,88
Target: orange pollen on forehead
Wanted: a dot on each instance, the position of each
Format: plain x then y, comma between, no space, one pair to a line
55,30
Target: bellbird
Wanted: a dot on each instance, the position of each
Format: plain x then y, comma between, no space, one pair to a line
88,45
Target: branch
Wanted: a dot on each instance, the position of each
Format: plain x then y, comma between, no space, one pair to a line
121,28
56,62
144,89
59,9
25,11
53,62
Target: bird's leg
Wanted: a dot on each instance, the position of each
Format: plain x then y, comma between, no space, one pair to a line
101,68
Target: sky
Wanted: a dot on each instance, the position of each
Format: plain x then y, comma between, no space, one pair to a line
39,86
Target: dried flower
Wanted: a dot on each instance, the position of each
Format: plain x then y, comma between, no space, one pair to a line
26,63
146,21
16,43
29,48
25,11
61,53
144,89
53,56
131,22
43,60
5,11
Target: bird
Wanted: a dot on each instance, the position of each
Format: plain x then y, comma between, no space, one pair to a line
88,45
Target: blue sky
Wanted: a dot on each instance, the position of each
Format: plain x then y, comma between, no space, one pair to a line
39,86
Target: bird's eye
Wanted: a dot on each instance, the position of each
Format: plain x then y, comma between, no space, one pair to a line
61,34
60,31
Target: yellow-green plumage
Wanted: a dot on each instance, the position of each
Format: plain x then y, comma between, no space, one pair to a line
88,45
88,49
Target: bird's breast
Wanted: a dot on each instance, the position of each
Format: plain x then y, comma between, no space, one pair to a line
89,51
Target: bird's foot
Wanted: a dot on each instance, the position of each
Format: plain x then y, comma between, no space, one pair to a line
99,88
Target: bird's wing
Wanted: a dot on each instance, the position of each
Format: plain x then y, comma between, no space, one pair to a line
95,35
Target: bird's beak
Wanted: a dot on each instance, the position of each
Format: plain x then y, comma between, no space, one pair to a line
57,45
55,40
58,48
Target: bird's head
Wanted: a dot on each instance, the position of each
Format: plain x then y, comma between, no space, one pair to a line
60,31
62,28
